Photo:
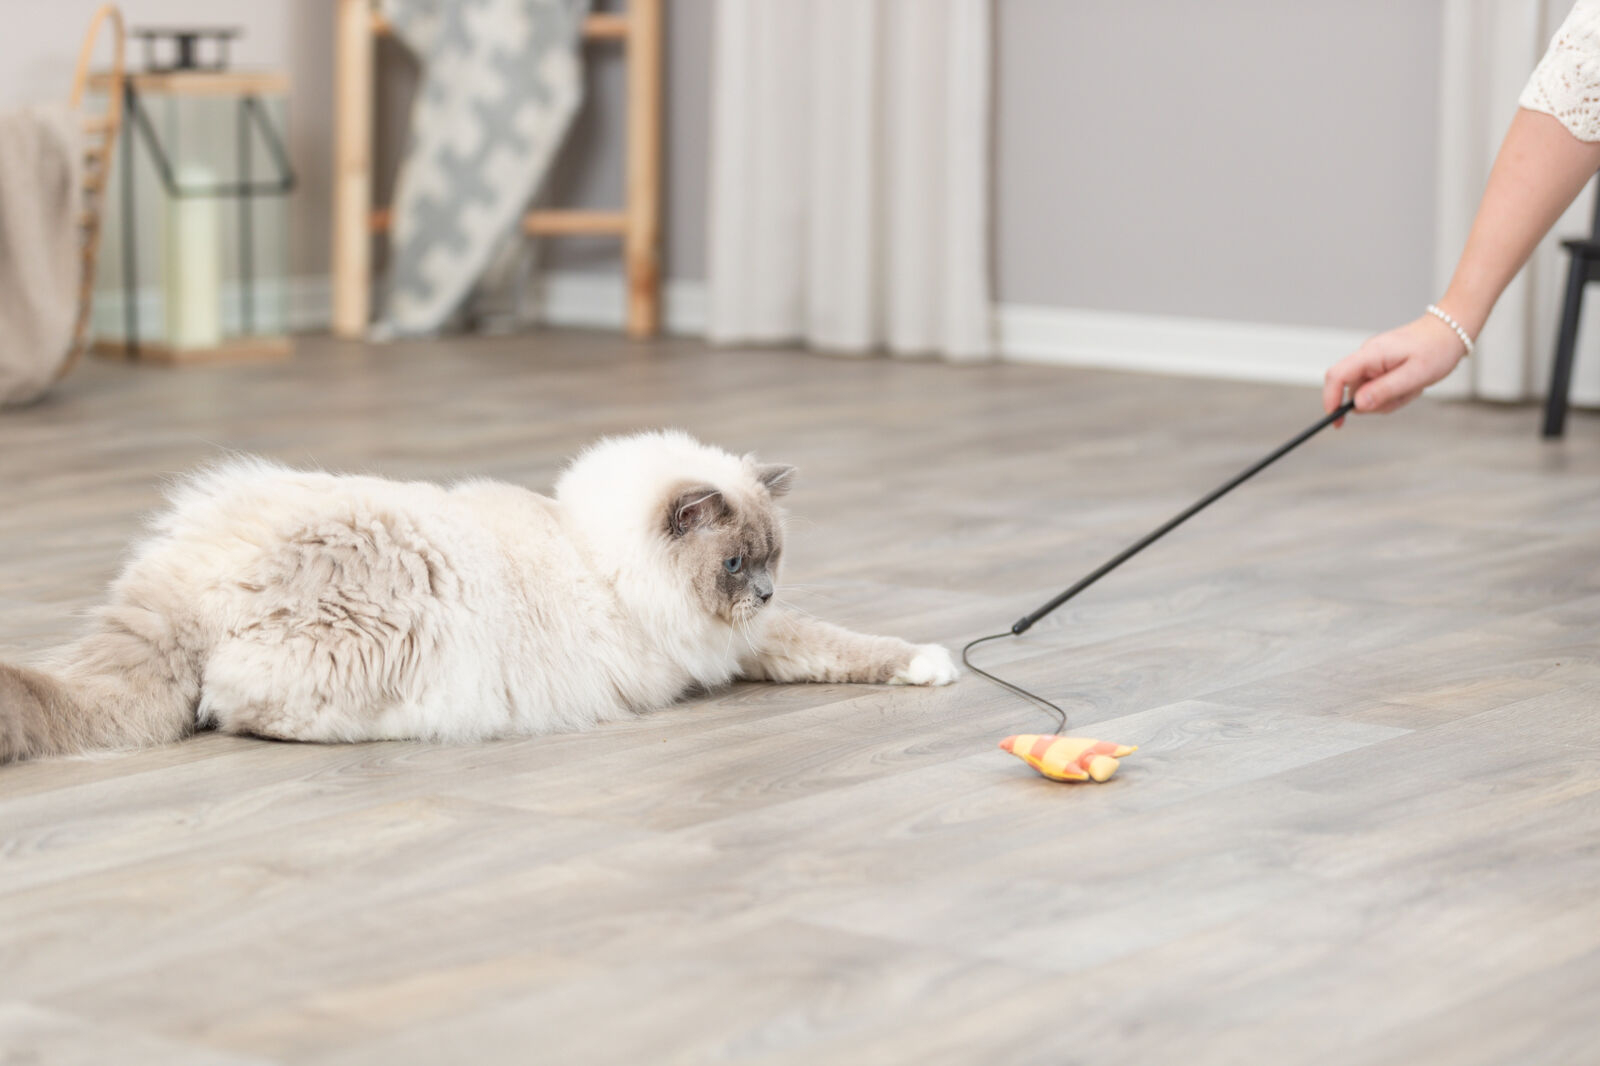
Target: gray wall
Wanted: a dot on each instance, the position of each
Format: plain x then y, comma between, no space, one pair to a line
1257,160
1236,159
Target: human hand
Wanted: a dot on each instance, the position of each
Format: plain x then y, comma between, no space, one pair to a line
1391,369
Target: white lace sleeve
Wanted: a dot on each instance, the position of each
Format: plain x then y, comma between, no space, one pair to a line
1566,83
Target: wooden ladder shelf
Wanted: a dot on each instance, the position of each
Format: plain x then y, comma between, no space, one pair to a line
638,223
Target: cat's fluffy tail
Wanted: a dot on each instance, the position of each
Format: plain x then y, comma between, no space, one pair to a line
117,688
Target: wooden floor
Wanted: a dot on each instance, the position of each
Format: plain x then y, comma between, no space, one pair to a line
1363,825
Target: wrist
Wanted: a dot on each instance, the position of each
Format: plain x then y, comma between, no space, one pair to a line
1469,311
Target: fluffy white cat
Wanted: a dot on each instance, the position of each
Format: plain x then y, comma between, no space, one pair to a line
310,606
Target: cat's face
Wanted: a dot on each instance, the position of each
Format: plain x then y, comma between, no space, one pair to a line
728,544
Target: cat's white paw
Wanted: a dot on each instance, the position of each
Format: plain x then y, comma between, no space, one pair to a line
931,665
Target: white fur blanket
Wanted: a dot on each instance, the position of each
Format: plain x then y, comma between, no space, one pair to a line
41,196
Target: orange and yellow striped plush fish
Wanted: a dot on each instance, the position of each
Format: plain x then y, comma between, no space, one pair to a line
1068,758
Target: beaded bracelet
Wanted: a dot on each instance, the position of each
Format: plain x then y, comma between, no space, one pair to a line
1434,310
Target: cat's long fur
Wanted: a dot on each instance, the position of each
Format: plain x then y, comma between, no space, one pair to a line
310,606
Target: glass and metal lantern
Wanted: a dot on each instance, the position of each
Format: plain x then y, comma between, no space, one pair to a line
194,265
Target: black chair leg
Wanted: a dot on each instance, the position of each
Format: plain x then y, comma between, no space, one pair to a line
1555,404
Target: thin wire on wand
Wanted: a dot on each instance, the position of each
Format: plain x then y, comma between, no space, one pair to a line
1003,683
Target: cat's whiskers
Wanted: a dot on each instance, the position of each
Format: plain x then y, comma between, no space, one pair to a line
744,632
801,610
788,622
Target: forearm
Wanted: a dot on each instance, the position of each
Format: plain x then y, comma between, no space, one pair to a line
1540,169
1543,164
796,647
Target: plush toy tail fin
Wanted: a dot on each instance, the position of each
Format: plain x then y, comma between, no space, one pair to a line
116,690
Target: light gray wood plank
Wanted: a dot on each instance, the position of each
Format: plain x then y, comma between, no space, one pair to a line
30,1035
1359,829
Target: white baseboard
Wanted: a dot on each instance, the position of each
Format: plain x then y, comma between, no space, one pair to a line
310,304
1162,344
599,301
306,307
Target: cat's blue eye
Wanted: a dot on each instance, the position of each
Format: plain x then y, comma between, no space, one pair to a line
733,564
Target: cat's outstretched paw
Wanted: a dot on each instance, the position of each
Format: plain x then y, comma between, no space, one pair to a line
931,664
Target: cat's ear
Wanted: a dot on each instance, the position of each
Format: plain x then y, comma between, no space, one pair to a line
777,477
695,507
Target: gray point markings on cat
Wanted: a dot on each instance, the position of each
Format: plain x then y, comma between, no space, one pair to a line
501,83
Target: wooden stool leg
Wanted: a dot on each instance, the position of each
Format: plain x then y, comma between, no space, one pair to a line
352,187
641,244
1555,405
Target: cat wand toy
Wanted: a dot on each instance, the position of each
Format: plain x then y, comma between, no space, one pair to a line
1063,758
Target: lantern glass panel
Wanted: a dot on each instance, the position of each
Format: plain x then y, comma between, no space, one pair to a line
209,248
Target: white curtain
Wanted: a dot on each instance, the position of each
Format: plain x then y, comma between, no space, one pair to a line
849,175
1490,47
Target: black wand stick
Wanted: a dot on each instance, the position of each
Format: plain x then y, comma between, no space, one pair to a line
1026,622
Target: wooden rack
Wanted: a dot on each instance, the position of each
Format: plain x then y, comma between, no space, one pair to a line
100,137
638,223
